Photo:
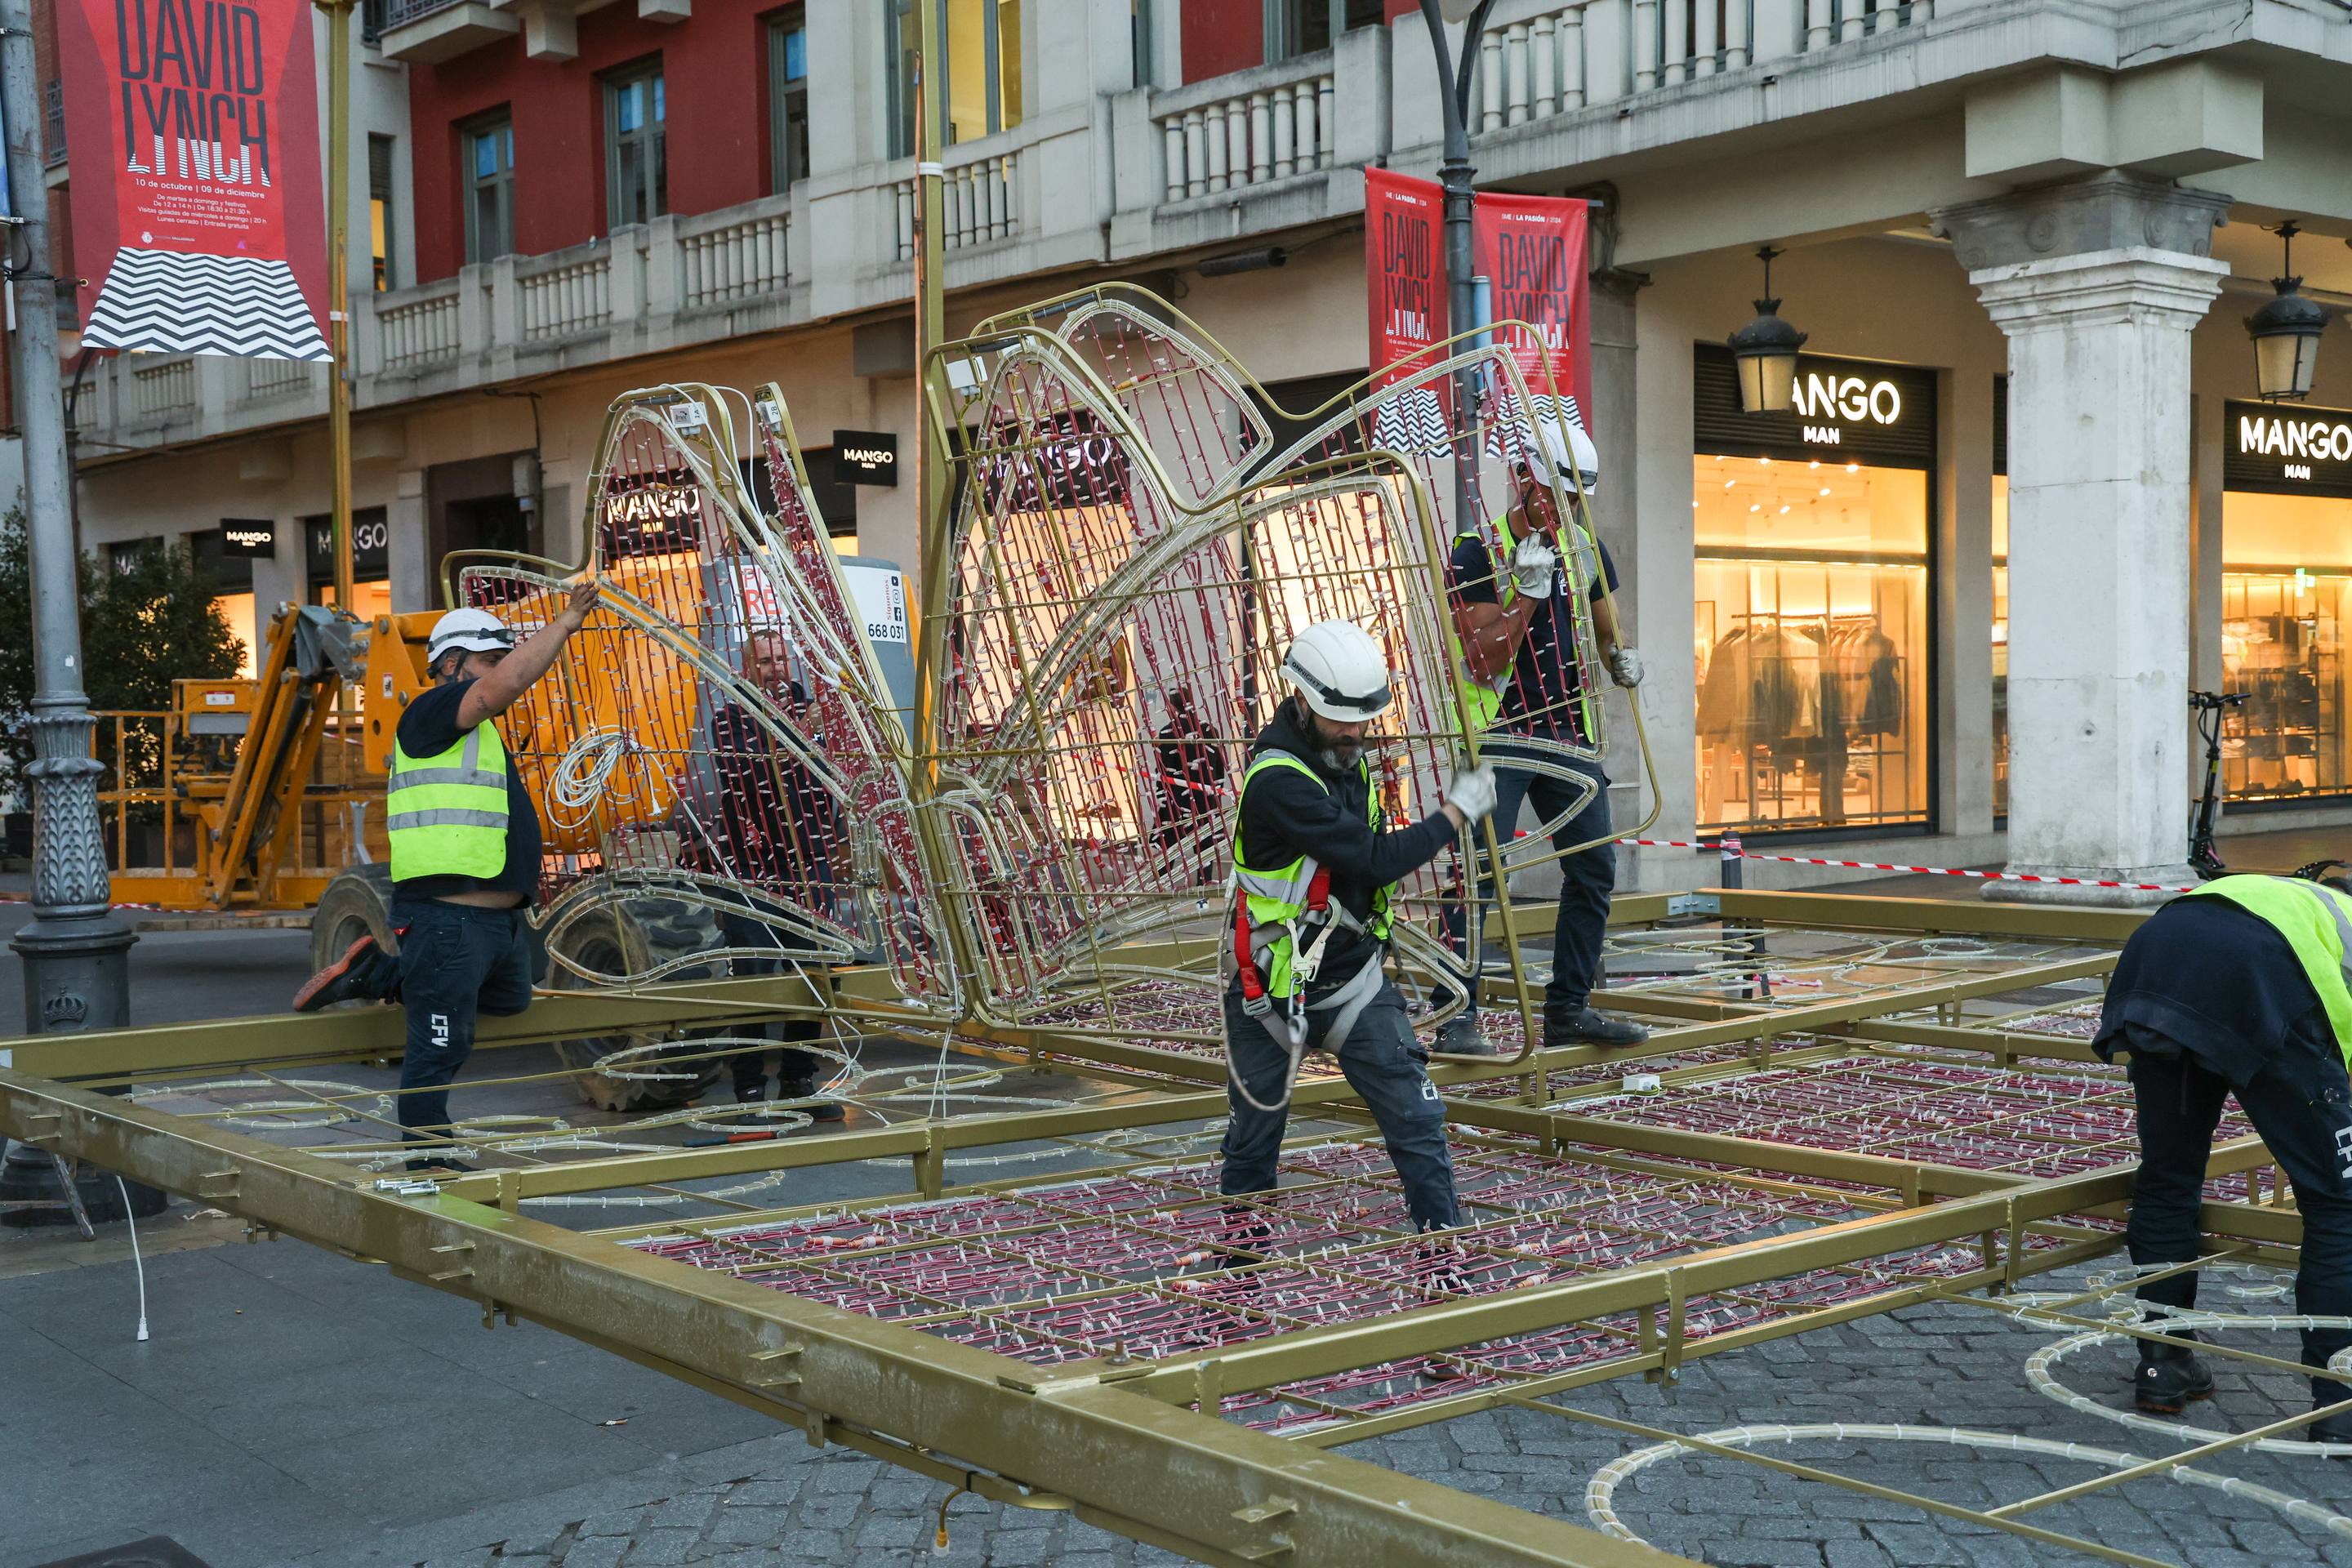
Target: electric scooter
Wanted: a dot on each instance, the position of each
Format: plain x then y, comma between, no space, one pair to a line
2210,708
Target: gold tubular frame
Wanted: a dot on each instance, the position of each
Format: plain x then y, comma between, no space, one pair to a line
1135,1444
1117,1439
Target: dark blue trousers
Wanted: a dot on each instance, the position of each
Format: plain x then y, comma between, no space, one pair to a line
1587,880
456,962
2301,1103
1383,1064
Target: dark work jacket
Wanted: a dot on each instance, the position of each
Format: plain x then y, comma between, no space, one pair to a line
2215,981
1284,816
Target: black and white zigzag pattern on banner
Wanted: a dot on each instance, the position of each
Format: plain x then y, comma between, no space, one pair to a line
166,303
1413,423
1547,407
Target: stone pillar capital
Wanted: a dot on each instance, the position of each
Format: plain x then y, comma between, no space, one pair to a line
2108,211
2160,288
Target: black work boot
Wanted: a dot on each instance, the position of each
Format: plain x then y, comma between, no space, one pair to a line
1460,1038
344,980
1581,1025
805,1089
2168,1379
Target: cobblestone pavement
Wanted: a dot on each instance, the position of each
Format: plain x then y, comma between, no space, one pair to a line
1947,1365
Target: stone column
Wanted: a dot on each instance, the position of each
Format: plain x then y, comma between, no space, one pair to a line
2097,285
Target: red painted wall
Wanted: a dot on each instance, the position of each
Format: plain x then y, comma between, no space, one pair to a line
715,79
1220,35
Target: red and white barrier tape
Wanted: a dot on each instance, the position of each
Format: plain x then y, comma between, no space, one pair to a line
1732,849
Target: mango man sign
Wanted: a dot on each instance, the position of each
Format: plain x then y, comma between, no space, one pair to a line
2294,451
196,212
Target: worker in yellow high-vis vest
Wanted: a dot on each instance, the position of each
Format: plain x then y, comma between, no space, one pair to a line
2239,987
465,859
1316,867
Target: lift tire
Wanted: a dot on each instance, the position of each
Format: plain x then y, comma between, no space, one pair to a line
615,941
357,903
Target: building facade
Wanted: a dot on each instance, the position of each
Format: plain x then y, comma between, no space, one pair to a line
1948,612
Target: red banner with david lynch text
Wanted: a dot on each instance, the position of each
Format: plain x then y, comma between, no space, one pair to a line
1532,249
1404,264
196,209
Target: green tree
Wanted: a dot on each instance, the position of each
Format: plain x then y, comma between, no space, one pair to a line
144,625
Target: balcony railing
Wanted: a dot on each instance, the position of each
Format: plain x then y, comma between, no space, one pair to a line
1270,130
420,329
161,391
634,283
735,258
981,201
557,298
399,12
267,379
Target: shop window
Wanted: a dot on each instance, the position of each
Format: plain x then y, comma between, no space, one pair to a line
1294,27
788,117
370,562
637,161
2286,594
232,592
2000,645
1810,624
489,156
981,86
1999,597
1811,642
379,208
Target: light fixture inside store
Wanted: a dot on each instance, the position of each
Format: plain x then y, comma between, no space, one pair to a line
2286,331
1766,350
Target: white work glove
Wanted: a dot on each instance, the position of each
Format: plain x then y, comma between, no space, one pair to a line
1625,667
1471,792
1535,567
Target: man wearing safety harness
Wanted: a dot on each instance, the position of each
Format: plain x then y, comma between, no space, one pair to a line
2241,986
1517,618
464,858
1316,868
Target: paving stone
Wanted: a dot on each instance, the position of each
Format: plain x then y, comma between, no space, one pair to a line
750,1526
625,1521
664,1548
597,1552
686,1512
1761,1554
768,1491
1855,1554
1916,1545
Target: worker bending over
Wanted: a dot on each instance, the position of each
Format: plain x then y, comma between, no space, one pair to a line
1516,614
2240,986
1316,867
465,859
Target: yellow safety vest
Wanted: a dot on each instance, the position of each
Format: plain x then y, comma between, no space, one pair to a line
2317,922
446,814
1276,899
1485,702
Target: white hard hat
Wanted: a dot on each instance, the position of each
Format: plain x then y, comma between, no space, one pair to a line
1339,670
1561,441
475,631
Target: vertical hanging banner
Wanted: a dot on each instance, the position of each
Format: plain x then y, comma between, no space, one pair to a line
1532,250
196,209
1404,266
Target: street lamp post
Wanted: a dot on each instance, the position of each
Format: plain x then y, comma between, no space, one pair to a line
76,951
1454,175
